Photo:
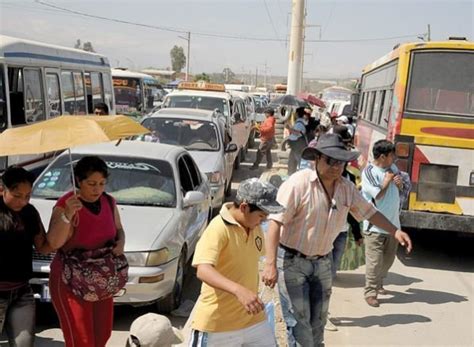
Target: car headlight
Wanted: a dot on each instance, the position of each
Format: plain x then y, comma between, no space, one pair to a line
214,177
153,258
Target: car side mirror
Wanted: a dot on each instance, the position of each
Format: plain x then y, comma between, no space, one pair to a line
231,147
193,198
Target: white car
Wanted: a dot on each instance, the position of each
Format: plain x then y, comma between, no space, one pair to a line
210,96
164,204
202,134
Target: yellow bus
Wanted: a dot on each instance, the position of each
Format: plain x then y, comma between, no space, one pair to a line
421,97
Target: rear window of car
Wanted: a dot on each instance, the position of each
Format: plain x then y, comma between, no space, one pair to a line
131,181
192,134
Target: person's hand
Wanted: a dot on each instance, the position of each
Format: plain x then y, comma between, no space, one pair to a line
360,242
389,175
73,204
398,181
249,300
119,247
404,240
270,275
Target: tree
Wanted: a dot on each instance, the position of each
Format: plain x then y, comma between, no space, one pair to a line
202,77
228,75
178,59
86,46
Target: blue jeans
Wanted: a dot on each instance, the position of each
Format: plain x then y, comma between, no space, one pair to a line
339,246
17,315
307,289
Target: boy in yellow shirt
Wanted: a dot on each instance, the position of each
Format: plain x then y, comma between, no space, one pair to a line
229,311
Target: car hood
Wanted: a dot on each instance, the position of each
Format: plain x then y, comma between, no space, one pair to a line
143,225
207,161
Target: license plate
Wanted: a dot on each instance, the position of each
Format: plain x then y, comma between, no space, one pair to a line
45,295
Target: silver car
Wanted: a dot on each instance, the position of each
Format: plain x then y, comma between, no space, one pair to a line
164,203
202,134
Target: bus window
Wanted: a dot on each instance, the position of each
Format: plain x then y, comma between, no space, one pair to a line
53,92
440,82
3,103
68,92
97,88
34,97
108,91
94,90
386,108
79,93
378,113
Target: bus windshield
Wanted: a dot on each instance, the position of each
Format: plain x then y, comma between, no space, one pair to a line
199,102
128,93
441,83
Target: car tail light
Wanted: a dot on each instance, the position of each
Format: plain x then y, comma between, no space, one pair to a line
214,177
402,149
437,183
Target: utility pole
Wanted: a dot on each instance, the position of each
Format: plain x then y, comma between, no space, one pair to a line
265,77
256,76
429,32
296,46
188,57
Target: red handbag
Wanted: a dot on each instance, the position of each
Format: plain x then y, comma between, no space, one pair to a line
94,275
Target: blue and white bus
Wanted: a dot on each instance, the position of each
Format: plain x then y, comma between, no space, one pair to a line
39,81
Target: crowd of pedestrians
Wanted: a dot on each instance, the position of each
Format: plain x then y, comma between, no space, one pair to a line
309,217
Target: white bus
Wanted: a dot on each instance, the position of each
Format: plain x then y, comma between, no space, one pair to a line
39,81
135,92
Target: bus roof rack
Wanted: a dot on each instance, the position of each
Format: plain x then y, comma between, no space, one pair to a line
457,38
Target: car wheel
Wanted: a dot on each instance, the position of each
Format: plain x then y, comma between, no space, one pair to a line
237,161
228,189
251,142
173,300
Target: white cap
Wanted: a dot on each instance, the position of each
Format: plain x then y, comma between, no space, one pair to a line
343,119
154,330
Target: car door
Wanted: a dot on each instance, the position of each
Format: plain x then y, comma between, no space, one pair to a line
195,215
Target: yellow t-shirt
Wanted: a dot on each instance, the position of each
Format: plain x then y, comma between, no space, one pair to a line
226,246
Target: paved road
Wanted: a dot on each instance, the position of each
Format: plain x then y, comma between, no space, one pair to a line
431,301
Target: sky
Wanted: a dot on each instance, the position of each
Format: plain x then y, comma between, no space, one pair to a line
137,47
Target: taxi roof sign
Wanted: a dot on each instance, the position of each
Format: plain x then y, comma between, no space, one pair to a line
202,85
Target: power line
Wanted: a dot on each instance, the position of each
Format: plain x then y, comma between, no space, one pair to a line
214,35
271,20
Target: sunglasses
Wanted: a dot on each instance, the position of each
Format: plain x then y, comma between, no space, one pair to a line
333,162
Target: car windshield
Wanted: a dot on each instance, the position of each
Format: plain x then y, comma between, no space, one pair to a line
194,135
132,181
199,102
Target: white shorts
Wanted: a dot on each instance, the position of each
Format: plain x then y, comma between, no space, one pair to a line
258,335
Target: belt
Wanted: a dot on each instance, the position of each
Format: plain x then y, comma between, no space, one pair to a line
297,253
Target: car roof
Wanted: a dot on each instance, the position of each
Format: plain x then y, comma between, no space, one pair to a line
136,149
184,113
222,95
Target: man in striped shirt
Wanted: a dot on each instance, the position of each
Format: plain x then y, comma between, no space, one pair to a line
317,203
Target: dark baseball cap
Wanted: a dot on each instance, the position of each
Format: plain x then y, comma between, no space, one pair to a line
261,194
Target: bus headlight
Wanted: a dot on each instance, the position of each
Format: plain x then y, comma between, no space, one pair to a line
153,258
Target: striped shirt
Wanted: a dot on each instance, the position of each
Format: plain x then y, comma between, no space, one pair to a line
310,224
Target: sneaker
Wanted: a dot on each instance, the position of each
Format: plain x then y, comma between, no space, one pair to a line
382,291
372,301
330,326
253,167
